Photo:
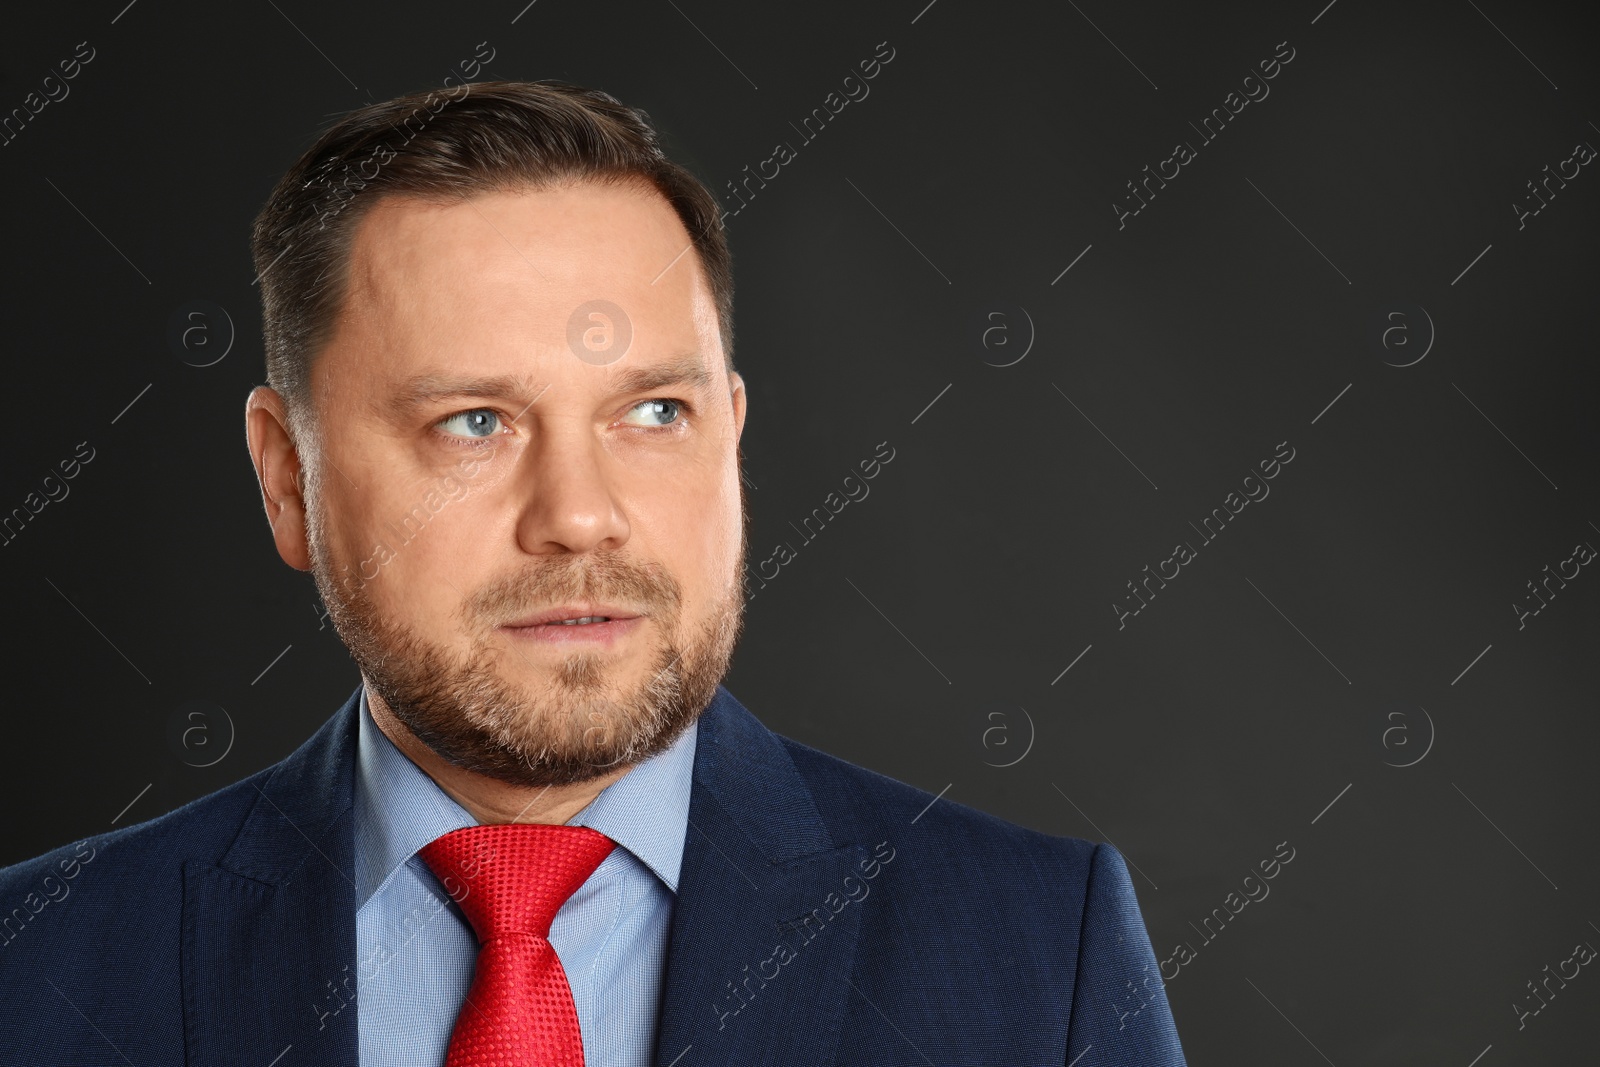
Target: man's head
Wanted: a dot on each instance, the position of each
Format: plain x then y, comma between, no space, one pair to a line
498,332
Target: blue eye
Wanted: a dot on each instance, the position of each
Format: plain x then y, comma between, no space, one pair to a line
662,407
480,422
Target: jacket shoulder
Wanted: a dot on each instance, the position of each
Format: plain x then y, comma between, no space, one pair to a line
309,788
203,828
84,889
863,805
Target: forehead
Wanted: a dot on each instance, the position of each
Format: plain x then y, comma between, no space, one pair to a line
501,277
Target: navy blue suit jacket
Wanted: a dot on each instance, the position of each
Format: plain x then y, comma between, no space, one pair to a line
825,914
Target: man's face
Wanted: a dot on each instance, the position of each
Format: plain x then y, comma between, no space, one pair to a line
485,458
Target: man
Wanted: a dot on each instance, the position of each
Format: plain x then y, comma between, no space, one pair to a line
502,432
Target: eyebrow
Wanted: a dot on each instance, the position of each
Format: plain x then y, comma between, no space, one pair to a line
685,370
422,389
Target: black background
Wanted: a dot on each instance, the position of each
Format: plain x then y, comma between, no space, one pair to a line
1360,617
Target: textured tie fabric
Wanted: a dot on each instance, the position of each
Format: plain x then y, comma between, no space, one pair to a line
510,880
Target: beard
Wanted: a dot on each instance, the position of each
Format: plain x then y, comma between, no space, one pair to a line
578,722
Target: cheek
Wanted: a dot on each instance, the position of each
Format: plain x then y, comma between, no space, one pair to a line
406,554
720,530
694,532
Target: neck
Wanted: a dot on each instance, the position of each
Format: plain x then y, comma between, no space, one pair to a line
489,800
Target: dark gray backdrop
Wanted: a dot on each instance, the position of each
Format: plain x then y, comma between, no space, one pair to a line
1344,673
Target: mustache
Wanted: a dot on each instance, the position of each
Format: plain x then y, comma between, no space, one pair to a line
608,578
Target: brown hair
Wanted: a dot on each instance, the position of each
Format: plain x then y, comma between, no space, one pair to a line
446,145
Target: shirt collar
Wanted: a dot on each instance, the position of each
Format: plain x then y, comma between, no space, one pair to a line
399,808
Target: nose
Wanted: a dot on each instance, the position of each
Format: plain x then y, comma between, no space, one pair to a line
568,502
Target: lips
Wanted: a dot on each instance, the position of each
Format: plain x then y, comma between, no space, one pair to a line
565,612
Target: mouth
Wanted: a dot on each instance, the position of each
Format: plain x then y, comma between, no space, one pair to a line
598,624
580,613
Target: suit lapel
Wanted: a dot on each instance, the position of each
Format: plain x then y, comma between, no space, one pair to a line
763,935
760,953
269,933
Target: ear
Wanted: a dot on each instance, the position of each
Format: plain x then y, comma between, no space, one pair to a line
737,394
278,469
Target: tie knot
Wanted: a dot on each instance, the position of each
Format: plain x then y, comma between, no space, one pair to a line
513,878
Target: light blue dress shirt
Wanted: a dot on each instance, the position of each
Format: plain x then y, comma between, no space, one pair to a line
415,949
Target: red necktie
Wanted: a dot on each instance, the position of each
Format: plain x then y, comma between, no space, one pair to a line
511,880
